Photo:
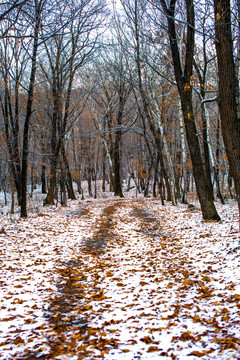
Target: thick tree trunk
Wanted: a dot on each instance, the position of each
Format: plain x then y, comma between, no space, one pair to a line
69,182
117,166
206,153
53,181
216,168
204,194
230,122
63,195
56,141
89,180
184,159
161,189
185,91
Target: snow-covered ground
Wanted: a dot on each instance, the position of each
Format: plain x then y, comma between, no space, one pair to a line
119,279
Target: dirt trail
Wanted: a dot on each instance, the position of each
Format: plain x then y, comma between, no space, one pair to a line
126,290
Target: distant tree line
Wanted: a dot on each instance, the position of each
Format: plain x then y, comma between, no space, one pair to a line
150,97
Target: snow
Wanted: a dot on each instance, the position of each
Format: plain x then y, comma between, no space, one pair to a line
114,278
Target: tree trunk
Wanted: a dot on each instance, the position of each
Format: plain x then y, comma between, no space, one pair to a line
69,182
104,155
230,122
216,168
43,178
11,123
62,179
206,153
53,181
184,159
56,141
89,180
29,113
155,176
161,189
202,73
117,166
185,91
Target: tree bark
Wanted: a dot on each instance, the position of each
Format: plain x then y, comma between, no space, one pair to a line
230,121
69,181
29,112
183,79
117,147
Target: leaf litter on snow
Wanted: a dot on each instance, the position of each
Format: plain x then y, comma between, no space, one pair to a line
120,279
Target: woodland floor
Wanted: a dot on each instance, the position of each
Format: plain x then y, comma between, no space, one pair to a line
120,279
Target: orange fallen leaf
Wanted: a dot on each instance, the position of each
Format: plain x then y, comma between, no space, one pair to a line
146,340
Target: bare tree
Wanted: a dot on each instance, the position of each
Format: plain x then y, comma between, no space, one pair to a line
67,52
10,12
183,79
230,120
110,94
37,18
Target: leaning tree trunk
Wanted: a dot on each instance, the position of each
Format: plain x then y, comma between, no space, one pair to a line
230,122
183,79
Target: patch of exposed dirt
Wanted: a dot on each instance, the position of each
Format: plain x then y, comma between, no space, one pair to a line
105,231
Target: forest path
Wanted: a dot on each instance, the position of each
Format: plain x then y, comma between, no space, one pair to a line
109,280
